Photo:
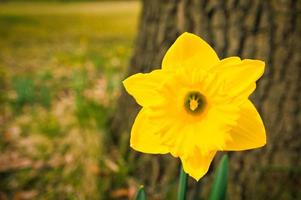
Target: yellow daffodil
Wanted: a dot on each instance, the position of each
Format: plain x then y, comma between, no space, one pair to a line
196,105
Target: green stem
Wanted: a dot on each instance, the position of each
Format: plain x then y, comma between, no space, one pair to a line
182,185
141,194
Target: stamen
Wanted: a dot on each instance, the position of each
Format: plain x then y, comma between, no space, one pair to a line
195,102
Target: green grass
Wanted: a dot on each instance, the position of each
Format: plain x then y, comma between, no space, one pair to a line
60,70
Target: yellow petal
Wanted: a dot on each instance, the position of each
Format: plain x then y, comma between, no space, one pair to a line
249,132
189,51
144,135
230,61
145,87
239,76
197,164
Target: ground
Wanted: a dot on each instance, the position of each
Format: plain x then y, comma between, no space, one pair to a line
61,66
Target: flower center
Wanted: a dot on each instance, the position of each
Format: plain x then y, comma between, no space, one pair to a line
195,102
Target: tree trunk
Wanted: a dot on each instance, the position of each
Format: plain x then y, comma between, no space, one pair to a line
266,30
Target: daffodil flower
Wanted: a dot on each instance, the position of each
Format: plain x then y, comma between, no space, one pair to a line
196,105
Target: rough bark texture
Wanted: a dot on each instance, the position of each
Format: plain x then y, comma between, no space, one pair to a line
266,30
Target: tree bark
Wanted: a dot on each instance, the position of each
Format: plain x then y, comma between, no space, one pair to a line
266,30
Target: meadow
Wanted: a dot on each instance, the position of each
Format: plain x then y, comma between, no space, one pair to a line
61,66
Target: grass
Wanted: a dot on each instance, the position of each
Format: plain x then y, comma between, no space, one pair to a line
60,71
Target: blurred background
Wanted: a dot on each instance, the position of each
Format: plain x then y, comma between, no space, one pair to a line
60,69
65,118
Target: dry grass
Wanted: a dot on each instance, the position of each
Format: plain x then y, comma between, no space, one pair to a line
94,8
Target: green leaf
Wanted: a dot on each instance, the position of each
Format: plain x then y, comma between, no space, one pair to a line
219,188
182,185
141,194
